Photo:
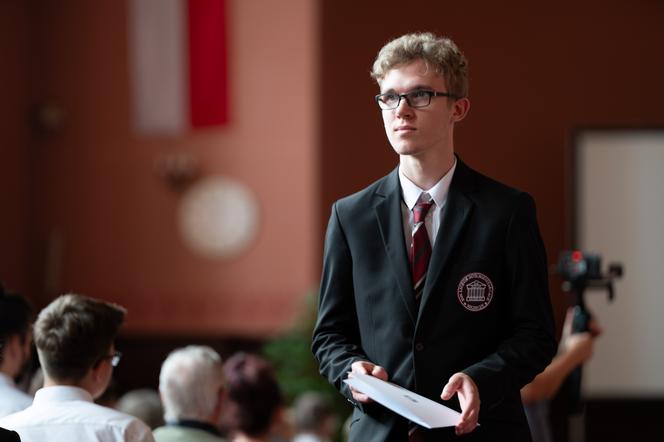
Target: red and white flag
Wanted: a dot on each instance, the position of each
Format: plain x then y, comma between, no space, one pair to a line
178,65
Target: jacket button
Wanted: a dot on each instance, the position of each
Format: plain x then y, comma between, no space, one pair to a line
419,346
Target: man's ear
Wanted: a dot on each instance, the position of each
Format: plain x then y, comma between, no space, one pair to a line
460,109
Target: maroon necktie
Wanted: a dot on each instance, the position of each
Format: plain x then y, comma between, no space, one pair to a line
420,247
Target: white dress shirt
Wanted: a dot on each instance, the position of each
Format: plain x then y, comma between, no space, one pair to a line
411,193
63,413
11,398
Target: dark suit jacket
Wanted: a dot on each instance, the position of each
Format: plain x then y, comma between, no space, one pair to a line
502,337
9,436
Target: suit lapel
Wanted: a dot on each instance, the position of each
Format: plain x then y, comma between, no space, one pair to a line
456,213
388,214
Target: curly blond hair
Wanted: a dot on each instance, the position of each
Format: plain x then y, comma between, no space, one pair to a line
438,53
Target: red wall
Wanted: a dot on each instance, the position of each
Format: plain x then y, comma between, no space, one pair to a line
14,148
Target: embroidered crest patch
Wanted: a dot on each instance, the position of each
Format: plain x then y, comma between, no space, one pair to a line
475,291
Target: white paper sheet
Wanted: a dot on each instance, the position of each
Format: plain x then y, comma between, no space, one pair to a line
414,407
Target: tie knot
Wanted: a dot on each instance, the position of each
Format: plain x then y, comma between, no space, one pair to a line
422,207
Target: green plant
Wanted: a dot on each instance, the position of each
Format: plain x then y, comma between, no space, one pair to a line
295,367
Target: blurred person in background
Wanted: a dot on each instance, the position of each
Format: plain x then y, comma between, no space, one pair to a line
314,418
144,404
75,338
191,385
15,350
254,409
574,349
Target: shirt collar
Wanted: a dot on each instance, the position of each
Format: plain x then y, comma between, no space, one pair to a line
411,192
6,380
61,393
204,426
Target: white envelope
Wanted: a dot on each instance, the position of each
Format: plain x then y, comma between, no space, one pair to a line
414,407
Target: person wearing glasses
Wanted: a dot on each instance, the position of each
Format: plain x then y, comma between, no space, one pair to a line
435,276
74,336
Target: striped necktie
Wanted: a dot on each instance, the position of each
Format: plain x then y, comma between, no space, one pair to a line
420,247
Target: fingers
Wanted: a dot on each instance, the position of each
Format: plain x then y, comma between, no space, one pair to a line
379,372
567,325
365,367
360,397
452,387
594,328
468,422
469,400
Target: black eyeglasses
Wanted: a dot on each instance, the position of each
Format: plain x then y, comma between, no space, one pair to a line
415,99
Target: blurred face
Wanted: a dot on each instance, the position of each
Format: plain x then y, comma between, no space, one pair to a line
416,131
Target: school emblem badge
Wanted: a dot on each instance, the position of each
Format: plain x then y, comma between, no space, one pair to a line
475,291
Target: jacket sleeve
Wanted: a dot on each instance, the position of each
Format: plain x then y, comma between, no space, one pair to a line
531,345
336,337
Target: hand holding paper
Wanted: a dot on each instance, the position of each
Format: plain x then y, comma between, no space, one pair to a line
368,368
469,399
414,407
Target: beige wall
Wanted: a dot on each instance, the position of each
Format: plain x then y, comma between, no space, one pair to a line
115,219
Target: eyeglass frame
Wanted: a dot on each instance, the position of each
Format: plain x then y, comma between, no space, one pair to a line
115,358
431,94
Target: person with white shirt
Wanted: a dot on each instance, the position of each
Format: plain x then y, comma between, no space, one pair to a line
15,350
75,338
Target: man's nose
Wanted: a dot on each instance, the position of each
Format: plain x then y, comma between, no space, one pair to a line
403,109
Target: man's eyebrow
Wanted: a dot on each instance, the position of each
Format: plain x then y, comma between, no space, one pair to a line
418,87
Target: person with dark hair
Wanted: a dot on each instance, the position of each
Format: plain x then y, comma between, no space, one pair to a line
15,350
75,338
9,436
314,418
435,276
254,406
143,403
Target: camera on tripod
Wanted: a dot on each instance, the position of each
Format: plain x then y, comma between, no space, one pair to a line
580,271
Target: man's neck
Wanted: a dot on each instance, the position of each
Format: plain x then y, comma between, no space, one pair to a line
425,172
50,382
9,368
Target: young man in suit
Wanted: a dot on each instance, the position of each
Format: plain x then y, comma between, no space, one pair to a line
435,276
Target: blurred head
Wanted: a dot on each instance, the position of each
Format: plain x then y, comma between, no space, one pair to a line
254,396
313,413
75,334
144,404
438,53
191,384
15,333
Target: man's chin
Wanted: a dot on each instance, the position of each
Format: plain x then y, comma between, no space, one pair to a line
409,152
